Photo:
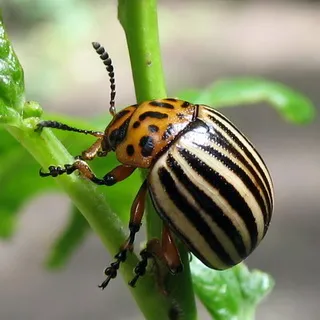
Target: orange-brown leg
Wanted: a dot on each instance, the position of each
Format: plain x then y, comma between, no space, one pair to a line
166,251
137,211
92,152
117,174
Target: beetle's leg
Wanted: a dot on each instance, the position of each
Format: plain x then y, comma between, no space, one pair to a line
166,251
117,174
137,210
62,126
93,152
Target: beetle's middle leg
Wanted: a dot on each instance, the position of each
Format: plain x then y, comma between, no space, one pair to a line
137,211
166,251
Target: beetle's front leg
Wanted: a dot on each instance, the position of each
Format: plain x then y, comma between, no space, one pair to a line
137,211
93,151
117,174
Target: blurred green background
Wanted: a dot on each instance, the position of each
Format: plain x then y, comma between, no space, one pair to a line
201,41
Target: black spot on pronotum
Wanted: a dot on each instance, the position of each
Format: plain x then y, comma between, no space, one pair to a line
130,150
153,128
168,132
161,104
185,104
147,145
152,114
171,99
136,124
121,114
180,115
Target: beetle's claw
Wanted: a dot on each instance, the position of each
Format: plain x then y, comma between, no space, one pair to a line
39,127
44,174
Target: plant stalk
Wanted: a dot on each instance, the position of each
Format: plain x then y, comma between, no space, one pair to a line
140,23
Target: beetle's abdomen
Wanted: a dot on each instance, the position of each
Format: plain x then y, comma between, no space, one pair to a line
214,191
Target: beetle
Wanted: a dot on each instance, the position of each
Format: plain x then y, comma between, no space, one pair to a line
206,180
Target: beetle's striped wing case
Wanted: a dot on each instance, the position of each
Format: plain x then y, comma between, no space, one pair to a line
214,190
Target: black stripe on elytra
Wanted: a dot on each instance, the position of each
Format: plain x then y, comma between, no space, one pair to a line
153,114
177,231
219,139
226,190
161,104
212,210
192,216
118,135
221,116
147,145
243,147
227,162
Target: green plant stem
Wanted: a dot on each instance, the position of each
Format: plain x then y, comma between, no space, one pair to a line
139,21
47,149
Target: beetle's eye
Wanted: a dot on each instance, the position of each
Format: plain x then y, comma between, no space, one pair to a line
113,137
118,135
105,146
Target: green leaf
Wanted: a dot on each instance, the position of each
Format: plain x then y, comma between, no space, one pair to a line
69,241
11,81
19,182
292,105
230,294
8,115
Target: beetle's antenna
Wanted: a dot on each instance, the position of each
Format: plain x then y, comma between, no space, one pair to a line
104,56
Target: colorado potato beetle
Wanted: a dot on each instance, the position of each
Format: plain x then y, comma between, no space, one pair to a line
207,182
